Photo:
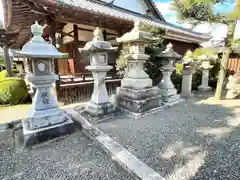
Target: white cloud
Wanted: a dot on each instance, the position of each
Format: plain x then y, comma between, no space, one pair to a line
216,30
164,8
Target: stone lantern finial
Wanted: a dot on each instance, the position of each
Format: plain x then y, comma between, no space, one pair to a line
97,33
137,25
169,46
189,53
170,53
37,31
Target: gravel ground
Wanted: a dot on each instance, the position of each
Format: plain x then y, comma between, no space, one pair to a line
73,157
187,141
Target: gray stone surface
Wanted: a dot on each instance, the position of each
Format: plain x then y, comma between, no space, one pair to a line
35,136
72,157
187,141
139,101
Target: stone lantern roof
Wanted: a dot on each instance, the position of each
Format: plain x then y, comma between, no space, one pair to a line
188,57
170,53
37,47
135,35
97,44
203,57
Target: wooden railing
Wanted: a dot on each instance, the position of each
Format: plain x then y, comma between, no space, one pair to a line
234,65
82,91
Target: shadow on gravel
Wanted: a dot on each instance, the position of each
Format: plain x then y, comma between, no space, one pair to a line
203,144
189,141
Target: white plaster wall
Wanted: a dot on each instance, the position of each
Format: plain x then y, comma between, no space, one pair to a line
132,5
67,28
82,35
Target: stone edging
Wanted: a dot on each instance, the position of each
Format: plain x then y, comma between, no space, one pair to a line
123,157
11,124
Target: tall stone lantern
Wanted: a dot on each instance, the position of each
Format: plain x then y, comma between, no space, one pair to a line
136,94
167,89
187,72
205,66
98,52
46,118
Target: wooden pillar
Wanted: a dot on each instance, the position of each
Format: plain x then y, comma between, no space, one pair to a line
104,35
52,25
7,61
76,44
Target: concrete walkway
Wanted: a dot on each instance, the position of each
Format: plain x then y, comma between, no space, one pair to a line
13,113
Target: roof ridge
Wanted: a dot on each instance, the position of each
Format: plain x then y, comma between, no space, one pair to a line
156,9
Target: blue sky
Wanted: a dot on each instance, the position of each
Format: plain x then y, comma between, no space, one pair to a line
164,7
218,31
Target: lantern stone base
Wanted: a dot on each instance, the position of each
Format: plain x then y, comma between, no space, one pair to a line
170,96
44,133
138,101
186,95
136,83
204,88
98,111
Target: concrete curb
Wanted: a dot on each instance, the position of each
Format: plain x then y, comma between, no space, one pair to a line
11,124
123,157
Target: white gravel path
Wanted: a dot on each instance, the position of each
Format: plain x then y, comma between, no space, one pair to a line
73,157
188,141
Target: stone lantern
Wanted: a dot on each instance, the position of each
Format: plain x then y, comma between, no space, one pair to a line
167,89
205,66
136,94
98,51
187,72
46,118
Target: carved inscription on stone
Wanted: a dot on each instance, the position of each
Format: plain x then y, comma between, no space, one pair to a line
45,98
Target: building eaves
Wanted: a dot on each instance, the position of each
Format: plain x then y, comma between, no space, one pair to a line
120,13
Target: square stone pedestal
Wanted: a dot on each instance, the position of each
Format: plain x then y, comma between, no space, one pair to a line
99,112
170,97
38,135
202,88
138,102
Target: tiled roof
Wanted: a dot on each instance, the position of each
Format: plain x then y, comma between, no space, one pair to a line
120,13
155,8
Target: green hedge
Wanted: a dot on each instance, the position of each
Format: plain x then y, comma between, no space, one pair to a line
3,75
13,91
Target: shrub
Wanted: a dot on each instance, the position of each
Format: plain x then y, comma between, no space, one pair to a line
3,75
13,91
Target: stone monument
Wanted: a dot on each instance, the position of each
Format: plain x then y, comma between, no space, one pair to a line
98,49
136,94
233,86
205,66
46,119
167,89
187,72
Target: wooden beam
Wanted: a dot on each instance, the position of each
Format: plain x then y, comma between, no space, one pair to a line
66,34
33,8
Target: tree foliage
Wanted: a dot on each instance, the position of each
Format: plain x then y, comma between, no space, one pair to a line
152,65
203,10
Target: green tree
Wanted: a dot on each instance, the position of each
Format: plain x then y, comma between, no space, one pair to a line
202,10
152,65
